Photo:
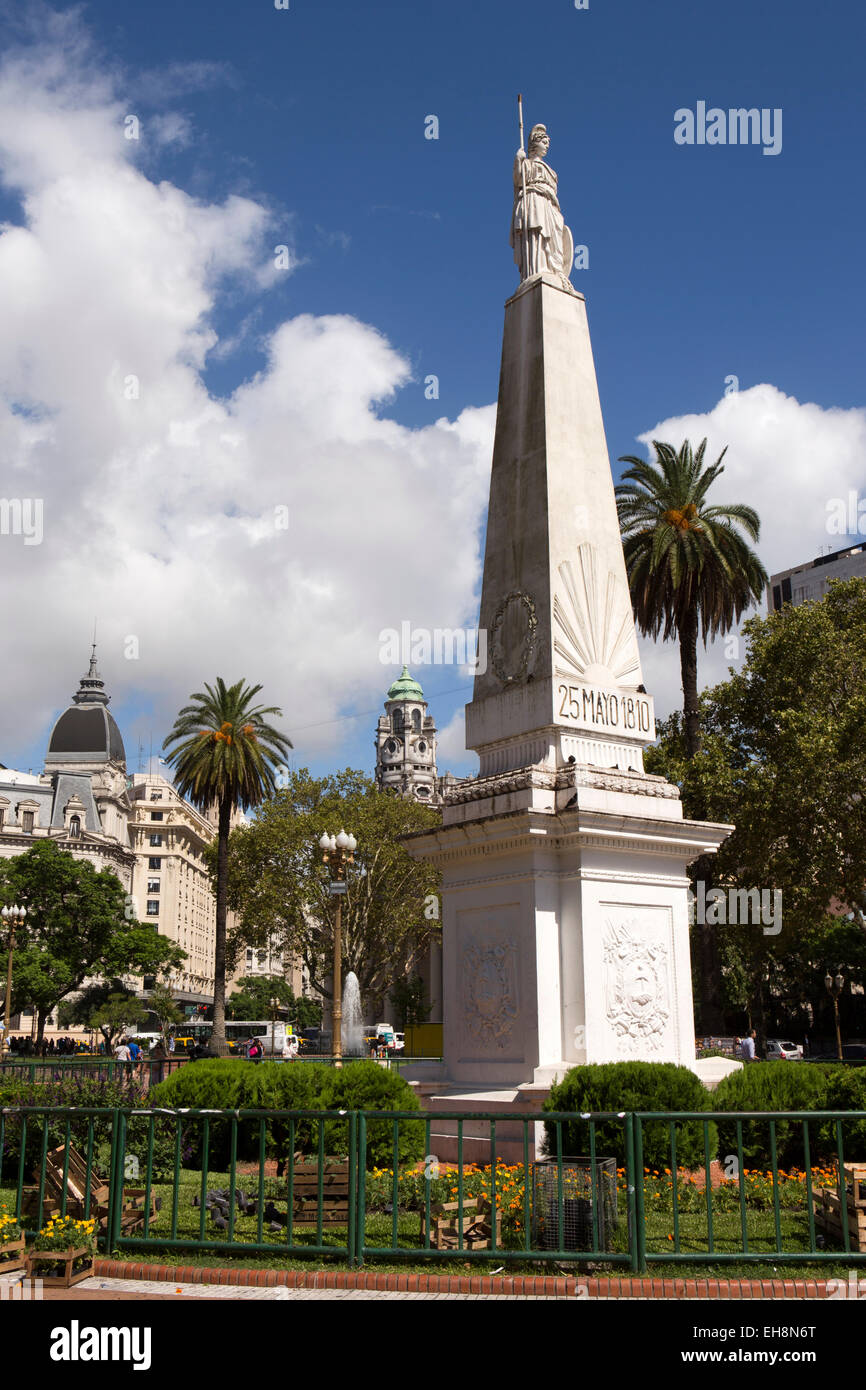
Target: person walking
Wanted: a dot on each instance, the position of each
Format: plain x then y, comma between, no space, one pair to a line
290,1048
747,1047
254,1050
122,1054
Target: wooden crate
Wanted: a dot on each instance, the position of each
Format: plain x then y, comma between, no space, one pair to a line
828,1215
446,1224
133,1210
855,1183
335,1193
61,1257
13,1255
76,1178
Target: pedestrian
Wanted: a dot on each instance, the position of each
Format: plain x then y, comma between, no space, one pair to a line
737,1046
254,1050
122,1054
747,1047
290,1048
171,1045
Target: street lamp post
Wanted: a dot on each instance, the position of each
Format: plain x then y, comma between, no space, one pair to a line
338,851
12,916
834,987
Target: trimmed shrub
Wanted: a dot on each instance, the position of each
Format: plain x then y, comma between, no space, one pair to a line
790,1086
229,1084
623,1086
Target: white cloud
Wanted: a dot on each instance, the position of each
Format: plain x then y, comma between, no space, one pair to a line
164,504
786,459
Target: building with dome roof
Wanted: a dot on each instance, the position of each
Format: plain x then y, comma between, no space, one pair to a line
406,744
137,825
80,800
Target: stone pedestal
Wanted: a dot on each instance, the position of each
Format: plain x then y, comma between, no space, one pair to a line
565,924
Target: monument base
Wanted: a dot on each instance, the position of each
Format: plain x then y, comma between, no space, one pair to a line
565,923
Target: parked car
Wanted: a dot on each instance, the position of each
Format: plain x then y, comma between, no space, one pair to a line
779,1051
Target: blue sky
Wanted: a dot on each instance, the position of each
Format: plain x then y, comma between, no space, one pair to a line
703,262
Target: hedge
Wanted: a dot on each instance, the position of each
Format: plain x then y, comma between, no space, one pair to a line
623,1086
231,1084
791,1086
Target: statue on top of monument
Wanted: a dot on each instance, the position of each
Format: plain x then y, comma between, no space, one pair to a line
539,236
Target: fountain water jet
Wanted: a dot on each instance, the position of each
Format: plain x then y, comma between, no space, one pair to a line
353,1019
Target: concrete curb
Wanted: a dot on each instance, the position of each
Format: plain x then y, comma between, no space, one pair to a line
547,1285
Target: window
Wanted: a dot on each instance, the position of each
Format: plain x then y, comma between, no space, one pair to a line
152,907
75,826
156,815
2,816
154,862
156,796
155,841
27,819
153,885
416,720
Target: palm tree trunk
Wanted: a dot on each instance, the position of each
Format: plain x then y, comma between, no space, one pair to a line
688,633
710,965
218,1036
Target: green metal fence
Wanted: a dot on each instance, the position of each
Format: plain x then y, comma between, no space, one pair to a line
468,1186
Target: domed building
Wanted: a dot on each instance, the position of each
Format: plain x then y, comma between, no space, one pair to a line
80,800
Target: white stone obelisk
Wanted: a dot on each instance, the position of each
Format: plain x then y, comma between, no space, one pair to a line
565,931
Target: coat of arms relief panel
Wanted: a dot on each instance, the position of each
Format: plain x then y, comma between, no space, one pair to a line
638,974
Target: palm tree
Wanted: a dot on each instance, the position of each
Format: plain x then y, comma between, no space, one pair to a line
689,569
226,754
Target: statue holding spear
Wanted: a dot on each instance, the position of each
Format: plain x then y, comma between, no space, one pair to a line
539,236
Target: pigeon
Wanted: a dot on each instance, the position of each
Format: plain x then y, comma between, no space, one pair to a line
272,1215
196,1200
275,1226
220,1222
157,1204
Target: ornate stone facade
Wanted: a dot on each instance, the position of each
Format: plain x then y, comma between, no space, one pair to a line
406,744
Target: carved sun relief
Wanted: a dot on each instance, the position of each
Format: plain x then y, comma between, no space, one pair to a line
594,637
636,983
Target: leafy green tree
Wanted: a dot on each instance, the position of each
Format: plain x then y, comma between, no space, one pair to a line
76,926
160,1002
225,754
784,759
106,1005
689,569
278,883
254,1000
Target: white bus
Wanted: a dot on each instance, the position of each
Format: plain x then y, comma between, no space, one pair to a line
272,1036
